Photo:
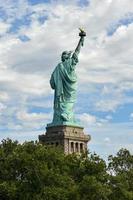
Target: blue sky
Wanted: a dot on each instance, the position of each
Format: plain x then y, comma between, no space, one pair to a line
33,35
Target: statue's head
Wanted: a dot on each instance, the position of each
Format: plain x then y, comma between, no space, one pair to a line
65,55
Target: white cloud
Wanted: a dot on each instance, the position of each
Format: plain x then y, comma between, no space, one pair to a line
109,117
33,120
14,9
4,96
107,105
21,135
131,116
107,140
4,27
87,119
2,107
31,117
110,138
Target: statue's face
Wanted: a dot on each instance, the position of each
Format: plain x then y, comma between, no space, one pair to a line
64,56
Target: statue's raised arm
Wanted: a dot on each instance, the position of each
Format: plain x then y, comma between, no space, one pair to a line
82,34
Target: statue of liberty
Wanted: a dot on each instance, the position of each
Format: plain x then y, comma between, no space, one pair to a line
64,83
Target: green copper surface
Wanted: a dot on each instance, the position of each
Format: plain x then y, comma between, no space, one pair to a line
64,83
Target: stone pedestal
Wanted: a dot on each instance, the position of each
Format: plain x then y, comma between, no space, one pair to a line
71,138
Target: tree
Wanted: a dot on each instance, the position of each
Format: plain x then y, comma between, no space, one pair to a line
38,172
121,179
33,171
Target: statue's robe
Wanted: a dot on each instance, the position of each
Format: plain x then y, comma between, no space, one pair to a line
64,82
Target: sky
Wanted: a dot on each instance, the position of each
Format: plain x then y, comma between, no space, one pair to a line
33,34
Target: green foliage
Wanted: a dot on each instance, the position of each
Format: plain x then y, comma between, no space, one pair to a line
121,180
31,171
